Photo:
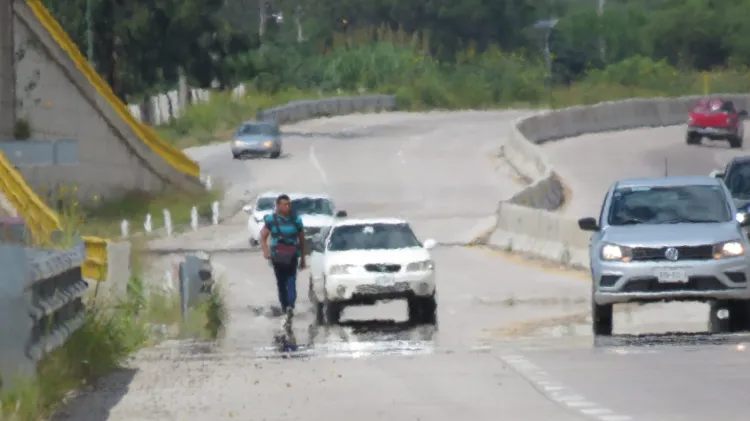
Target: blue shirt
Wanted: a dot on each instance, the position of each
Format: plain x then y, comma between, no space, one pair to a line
290,228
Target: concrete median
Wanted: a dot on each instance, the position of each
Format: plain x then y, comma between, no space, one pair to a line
527,222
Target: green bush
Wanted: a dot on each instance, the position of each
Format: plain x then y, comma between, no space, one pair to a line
396,63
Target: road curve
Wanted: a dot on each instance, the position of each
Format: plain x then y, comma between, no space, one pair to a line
589,164
505,323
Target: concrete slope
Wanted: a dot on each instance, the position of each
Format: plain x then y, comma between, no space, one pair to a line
62,96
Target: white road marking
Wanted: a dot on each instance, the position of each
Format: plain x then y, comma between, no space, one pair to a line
400,155
558,393
615,418
314,161
596,411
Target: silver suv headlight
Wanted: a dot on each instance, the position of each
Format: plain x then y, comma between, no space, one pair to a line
728,249
422,266
615,253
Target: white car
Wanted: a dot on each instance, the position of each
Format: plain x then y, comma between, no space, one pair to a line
362,261
316,211
264,205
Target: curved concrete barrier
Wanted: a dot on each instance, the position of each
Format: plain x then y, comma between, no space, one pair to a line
527,222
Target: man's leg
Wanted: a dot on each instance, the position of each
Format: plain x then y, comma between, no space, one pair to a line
291,284
281,283
291,289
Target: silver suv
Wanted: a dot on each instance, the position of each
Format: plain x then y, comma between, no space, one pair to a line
670,239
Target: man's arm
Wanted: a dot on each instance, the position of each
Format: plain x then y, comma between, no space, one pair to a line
302,242
264,233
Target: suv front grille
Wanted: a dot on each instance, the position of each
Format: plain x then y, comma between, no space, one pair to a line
382,268
704,252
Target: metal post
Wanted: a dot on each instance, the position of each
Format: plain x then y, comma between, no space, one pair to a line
7,72
89,33
547,53
602,46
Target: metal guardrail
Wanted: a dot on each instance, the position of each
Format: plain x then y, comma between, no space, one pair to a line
41,305
302,110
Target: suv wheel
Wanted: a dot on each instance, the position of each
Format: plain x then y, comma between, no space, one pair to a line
601,319
423,310
693,139
737,320
332,312
735,142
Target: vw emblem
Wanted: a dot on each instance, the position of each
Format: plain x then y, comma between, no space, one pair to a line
672,254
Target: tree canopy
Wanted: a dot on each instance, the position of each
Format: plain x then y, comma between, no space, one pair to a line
141,45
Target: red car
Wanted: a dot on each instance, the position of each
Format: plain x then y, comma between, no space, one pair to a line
716,119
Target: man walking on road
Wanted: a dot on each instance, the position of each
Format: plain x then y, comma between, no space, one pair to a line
286,253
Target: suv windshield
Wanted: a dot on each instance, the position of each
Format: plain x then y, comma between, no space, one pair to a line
255,129
265,203
310,206
669,205
738,180
372,237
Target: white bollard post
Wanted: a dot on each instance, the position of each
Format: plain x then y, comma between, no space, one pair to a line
209,184
215,213
124,228
168,221
194,218
148,226
168,282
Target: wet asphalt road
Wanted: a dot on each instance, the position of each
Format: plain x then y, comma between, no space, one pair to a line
512,342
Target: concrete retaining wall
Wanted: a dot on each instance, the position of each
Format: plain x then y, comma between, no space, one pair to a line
527,222
60,100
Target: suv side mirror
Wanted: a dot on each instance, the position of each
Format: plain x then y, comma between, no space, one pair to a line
588,224
717,174
341,214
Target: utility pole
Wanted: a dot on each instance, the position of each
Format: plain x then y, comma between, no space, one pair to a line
602,46
7,72
89,33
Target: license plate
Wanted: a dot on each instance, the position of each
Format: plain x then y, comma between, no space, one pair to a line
672,276
385,280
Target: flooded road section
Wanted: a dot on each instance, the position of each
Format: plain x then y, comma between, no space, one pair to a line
512,340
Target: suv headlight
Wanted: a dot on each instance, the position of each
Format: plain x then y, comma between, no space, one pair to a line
614,253
420,266
728,249
344,269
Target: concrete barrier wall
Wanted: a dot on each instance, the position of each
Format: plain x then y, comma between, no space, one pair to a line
527,222
62,96
165,107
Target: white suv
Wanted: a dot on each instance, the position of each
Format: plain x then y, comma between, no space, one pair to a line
362,261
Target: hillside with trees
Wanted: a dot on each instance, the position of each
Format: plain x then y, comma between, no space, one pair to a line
437,52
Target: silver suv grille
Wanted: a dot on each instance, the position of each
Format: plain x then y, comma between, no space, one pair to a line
704,252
